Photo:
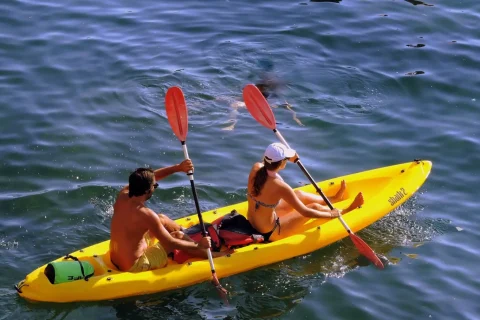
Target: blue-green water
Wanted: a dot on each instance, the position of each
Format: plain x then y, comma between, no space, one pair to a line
373,83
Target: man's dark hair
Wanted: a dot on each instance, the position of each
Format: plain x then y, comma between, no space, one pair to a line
140,182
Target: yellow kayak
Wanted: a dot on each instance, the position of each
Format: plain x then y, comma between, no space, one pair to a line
384,189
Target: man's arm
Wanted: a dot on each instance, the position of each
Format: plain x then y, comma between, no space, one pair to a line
184,166
168,242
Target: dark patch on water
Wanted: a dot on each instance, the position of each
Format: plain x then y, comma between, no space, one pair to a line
416,3
418,45
414,73
335,1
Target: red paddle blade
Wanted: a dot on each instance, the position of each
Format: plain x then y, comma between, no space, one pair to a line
258,106
365,250
177,112
221,290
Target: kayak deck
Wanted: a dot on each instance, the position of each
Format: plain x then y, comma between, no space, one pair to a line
383,189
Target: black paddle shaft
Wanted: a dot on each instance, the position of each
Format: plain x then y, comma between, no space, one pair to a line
315,185
282,139
197,206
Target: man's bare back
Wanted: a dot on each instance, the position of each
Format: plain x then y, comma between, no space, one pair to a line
127,231
132,220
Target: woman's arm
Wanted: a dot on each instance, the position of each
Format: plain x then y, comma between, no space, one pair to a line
320,211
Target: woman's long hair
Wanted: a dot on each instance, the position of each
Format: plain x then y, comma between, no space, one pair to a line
261,176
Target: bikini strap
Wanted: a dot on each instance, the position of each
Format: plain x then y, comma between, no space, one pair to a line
277,222
260,203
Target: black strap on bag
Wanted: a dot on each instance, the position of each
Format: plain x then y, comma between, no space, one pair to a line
68,256
236,231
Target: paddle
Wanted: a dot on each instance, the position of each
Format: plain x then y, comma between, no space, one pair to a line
259,108
178,118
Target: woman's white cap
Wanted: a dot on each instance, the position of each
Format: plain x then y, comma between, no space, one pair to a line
278,151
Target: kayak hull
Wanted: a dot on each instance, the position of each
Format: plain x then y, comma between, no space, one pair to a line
384,189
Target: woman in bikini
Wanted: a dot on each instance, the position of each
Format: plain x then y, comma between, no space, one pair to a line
274,208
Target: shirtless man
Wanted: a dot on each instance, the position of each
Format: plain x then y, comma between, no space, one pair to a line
134,227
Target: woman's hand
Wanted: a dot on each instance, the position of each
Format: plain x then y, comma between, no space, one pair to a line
335,213
294,159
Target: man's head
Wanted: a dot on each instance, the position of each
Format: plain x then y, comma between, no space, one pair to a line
141,182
